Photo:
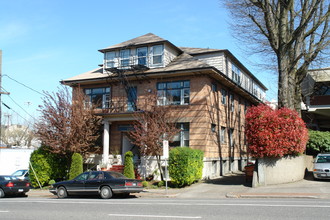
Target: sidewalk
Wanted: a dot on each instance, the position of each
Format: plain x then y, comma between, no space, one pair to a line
231,186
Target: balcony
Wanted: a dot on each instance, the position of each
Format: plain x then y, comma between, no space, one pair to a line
116,107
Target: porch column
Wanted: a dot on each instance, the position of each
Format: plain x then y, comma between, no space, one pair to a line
106,139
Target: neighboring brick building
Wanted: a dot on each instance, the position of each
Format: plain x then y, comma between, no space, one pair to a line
210,88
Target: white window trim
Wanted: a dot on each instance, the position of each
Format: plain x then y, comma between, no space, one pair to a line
146,56
152,55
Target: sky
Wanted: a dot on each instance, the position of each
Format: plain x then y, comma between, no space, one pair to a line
44,42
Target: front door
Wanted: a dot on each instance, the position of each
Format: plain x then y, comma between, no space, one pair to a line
128,146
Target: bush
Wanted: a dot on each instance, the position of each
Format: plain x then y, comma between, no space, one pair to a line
319,142
59,164
274,133
185,166
161,184
51,182
129,166
144,183
76,166
40,170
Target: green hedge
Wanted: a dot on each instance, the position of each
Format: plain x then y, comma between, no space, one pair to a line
319,142
129,166
76,166
40,169
185,166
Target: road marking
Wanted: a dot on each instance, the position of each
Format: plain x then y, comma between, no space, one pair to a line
156,216
4,211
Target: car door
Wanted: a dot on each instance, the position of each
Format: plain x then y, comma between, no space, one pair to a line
77,185
92,184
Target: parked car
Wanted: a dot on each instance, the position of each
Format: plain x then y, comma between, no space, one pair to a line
103,183
322,166
10,185
22,174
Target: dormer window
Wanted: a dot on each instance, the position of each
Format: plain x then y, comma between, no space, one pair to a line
142,54
124,58
236,74
157,55
110,60
148,56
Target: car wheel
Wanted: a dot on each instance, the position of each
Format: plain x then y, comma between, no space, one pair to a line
61,193
106,192
2,193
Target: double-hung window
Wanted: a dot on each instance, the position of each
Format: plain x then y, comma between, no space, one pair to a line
182,138
232,106
173,93
124,58
110,60
100,97
157,55
236,74
142,54
223,135
223,96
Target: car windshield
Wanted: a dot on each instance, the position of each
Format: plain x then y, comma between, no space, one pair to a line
323,159
19,173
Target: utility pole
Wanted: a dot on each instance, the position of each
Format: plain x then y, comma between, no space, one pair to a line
1,92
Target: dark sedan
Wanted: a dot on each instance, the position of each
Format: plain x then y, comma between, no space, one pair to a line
102,183
10,185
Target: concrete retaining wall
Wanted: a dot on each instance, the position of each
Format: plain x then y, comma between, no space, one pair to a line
269,171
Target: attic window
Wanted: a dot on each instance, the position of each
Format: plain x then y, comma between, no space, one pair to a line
157,55
124,58
110,60
142,54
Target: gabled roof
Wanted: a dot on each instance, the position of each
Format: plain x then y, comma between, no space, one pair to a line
149,38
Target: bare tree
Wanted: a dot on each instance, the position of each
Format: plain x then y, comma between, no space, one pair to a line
294,33
68,125
153,124
18,135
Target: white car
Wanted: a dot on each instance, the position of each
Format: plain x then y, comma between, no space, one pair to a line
322,166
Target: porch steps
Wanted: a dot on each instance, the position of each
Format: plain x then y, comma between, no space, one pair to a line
117,168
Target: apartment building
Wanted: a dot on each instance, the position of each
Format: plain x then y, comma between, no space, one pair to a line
210,89
316,93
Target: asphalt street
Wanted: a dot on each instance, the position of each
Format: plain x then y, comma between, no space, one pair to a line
228,197
164,208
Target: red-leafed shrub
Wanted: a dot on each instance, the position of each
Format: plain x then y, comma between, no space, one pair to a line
274,133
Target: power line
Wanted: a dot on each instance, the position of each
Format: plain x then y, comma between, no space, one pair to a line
24,85
17,113
18,104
